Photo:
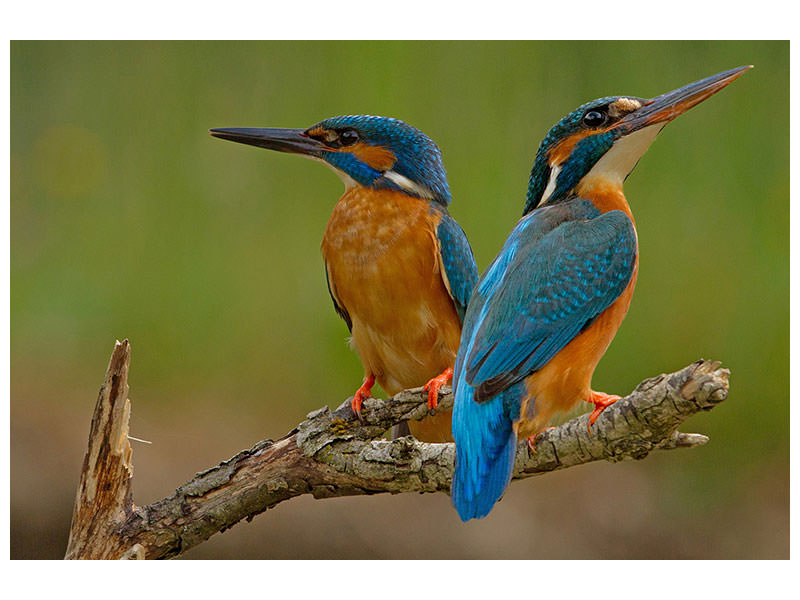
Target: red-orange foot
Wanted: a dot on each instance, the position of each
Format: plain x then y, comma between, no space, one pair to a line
601,402
532,439
362,394
432,387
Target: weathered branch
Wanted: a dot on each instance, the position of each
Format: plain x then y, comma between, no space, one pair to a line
332,454
104,492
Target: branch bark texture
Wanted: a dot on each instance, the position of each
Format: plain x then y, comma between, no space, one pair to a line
332,454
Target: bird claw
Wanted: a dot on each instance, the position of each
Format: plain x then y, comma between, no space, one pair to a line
362,394
432,387
355,404
532,439
601,402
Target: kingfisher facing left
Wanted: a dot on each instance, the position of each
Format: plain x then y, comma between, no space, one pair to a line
546,309
399,268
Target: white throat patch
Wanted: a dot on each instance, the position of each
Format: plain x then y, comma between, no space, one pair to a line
349,182
619,161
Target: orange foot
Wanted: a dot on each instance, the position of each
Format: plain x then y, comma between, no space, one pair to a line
362,394
432,387
532,439
601,402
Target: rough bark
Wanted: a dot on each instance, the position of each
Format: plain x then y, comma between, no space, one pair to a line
332,454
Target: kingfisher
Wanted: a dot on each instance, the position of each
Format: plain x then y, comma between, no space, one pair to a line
399,268
546,309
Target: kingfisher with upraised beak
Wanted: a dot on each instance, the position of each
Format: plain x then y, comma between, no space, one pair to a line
399,268
546,309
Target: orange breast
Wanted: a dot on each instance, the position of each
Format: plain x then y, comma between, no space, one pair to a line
383,264
567,378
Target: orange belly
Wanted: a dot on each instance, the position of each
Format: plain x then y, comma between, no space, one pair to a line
567,378
383,264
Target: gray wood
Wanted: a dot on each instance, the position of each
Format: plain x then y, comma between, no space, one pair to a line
332,454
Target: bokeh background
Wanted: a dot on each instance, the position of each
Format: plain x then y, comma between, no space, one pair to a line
129,220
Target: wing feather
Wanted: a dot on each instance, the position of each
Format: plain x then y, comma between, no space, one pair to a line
459,272
337,305
554,286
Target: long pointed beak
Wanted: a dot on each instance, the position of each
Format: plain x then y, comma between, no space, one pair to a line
667,106
283,140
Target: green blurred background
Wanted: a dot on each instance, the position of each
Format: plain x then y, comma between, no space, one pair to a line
129,220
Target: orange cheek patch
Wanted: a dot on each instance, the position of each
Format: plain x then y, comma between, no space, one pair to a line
558,154
379,158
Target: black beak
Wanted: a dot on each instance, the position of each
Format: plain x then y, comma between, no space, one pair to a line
667,106
294,141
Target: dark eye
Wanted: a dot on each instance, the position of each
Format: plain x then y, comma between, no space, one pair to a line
348,137
594,118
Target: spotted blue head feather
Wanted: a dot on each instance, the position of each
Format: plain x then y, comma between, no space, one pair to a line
417,158
590,119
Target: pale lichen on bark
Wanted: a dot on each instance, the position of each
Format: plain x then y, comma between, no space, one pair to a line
332,454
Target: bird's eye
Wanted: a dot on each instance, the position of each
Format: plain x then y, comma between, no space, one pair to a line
348,137
594,118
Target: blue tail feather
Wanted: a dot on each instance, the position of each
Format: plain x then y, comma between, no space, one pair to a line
486,446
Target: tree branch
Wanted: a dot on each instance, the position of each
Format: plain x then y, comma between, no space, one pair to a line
332,454
104,491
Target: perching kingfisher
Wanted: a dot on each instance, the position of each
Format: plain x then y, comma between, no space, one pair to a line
546,309
399,268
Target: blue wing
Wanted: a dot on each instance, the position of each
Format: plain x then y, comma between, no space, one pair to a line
561,267
340,310
459,263
551,289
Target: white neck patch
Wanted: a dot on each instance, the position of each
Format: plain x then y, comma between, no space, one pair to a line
551,183
408,185
401,180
